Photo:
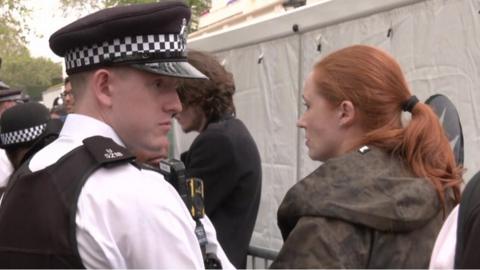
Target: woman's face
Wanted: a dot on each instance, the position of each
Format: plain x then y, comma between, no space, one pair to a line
321,121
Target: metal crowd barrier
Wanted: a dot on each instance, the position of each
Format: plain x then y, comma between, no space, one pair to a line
260,258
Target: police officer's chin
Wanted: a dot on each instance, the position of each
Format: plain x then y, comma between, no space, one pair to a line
149,157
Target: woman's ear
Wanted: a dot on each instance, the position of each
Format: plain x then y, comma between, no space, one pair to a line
102,87
347,113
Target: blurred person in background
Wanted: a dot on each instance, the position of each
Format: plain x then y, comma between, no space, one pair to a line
224,155
8,99
25,129
67,95
58,110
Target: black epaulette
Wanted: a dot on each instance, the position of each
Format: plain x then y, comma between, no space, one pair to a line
106,152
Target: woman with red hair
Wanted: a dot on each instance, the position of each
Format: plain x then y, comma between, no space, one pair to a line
380,197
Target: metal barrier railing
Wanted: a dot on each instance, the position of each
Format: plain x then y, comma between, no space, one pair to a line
264,255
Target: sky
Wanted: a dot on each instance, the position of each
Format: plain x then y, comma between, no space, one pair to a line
46,18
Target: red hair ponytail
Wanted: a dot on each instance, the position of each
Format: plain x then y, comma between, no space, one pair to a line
373,81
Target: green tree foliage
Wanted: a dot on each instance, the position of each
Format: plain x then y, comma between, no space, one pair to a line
13,14
20,70
197,6
33,75
12,28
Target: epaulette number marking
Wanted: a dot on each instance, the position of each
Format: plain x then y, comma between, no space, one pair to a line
111,155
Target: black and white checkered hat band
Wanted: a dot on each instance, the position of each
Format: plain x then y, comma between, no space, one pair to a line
24,135
142,47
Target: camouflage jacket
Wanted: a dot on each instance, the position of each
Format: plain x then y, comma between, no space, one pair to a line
359,210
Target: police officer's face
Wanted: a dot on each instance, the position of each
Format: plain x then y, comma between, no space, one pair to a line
142,108
323,132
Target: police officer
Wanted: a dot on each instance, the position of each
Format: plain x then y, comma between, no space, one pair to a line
8,98
123,63
26,128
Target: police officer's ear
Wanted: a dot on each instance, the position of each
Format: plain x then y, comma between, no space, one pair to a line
101,84
346,113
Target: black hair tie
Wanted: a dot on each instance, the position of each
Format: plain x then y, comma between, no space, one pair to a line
410,104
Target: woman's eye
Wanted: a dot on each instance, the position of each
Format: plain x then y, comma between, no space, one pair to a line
306,106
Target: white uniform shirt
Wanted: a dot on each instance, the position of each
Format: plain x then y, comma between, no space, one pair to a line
6,168
443,254
126,217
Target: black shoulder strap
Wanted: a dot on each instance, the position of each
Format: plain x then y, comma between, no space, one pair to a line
80,163
96,152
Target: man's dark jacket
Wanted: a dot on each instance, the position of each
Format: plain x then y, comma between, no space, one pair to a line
226,158
468,227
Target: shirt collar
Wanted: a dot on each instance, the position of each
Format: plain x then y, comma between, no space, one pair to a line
80,127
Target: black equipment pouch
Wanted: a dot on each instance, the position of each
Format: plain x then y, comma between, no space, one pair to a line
174,172
195,197
191,192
